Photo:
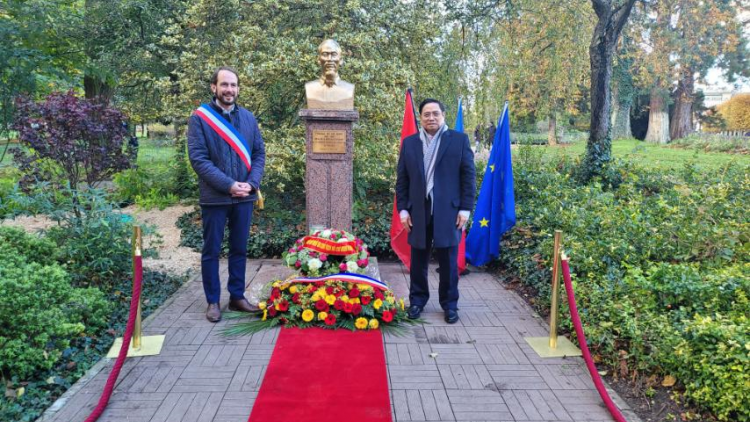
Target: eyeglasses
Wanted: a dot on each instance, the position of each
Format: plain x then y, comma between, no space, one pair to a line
433,114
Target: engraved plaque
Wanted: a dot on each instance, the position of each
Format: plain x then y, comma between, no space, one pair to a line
329,141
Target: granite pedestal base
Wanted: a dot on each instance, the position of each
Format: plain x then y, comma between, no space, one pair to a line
329,179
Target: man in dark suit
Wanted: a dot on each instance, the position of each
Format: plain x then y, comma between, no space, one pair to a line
435,191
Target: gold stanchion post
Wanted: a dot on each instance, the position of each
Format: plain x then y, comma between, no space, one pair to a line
139,345
553,346
553,311
137,239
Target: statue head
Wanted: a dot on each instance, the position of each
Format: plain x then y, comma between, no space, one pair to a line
329,57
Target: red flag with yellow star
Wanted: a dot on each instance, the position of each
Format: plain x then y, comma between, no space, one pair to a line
399,236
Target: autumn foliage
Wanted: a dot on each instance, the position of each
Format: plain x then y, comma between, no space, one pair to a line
736,112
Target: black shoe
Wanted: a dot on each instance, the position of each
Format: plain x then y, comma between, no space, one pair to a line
414,311
451,316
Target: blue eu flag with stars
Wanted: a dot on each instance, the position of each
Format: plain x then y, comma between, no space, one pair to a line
495,212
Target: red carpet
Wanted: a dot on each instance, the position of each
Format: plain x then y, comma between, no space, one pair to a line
319,375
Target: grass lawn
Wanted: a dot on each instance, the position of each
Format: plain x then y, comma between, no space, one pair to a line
154,154
656,155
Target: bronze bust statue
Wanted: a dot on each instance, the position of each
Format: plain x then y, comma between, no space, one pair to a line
330,92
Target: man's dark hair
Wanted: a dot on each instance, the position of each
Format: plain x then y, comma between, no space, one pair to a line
431,100
215,77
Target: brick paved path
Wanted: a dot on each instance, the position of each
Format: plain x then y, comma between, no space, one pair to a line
479,369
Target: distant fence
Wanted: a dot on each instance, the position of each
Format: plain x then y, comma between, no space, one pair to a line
734,133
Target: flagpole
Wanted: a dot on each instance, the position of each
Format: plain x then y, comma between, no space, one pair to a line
413,108
502,116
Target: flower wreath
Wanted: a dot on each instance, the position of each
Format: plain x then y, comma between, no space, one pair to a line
327,252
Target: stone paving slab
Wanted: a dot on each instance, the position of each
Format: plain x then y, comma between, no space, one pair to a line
479,369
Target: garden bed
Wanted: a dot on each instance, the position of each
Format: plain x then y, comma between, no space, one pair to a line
661,270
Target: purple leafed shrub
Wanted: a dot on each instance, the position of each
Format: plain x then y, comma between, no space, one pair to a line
68,138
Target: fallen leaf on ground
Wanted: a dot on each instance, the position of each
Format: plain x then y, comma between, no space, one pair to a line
668,381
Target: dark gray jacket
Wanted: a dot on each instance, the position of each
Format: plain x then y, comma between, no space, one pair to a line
217,165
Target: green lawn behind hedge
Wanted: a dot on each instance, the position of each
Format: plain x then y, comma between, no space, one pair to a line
655,156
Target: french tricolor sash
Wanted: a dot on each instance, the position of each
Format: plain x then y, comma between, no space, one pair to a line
345,277
226,131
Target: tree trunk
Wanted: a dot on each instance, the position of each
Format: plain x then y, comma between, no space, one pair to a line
621,116
682,119
658,118
611,19
552,134
621,102
93,85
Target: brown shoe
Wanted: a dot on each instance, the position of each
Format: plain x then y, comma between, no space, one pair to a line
213,313
242,305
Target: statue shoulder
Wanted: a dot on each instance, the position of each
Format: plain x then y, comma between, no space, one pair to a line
346,85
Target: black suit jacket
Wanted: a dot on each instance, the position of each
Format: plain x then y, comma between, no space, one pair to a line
454,189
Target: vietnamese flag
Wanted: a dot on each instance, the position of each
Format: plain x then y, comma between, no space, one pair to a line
399,236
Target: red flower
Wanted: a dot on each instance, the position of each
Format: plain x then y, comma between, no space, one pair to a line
330,319
321,305
342,267
323,257
284,305
295,298
310,288
320,283
338,293
365,300
387,316
362,263
338,305
275,293
271,311
354,292
379,295
298,264
348,307
356,309
329,290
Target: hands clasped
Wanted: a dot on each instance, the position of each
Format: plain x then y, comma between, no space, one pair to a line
240,189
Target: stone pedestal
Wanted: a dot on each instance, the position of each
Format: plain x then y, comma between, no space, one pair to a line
328,179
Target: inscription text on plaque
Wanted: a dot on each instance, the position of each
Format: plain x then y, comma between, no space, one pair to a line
329,141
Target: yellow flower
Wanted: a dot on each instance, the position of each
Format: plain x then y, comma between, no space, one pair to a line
377,304
315,297
293,289
391,299
322,316
373,324
283,287
364,287
330,299
276,284
401,302
265,314
356,300
262,305
276,306
361,323
307,315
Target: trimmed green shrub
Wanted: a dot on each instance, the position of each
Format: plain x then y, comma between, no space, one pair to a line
713,359
41,311
651,253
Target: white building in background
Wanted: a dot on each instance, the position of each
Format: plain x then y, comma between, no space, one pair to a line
714,97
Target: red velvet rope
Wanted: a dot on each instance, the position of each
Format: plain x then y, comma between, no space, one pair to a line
585,349
104,399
